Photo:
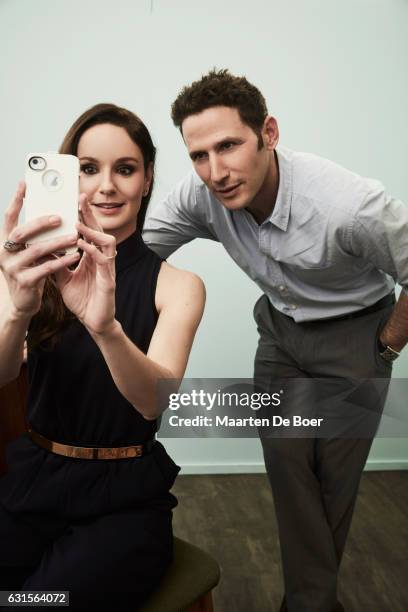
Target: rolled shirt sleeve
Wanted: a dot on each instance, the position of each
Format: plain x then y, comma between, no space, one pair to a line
379,233
176,220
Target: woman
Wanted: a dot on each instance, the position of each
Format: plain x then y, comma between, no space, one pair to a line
85,506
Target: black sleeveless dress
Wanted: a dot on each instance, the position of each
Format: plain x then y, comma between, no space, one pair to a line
73,400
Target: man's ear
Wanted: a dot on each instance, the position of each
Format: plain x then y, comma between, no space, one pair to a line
270,133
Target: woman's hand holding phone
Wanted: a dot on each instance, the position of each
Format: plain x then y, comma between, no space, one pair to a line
89,290
25,270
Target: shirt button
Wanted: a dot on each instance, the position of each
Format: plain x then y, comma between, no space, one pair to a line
293,306
281,287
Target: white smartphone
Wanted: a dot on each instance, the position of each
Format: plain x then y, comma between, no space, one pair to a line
52,188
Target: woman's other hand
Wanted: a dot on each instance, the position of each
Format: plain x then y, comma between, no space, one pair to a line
25,270
89,290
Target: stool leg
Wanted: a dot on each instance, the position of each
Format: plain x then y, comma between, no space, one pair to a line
204,604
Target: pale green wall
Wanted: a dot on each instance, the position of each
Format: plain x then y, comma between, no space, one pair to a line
334,74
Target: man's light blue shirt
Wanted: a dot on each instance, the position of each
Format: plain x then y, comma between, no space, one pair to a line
334,243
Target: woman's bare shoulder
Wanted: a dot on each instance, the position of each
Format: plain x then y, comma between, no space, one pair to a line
181,286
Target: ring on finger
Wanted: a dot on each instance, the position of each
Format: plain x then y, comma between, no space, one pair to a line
13,247
111,256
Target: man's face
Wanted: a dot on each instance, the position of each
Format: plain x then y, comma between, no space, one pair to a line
226,156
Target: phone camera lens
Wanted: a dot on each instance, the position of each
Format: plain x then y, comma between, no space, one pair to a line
37,163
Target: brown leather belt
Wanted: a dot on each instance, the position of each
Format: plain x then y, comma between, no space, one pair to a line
83,452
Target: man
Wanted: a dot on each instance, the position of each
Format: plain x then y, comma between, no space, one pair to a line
326,246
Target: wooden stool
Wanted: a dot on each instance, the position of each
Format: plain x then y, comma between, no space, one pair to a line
187,585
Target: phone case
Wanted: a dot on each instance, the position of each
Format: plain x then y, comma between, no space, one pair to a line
53,190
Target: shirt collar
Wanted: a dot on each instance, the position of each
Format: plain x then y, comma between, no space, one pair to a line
281,211
130,251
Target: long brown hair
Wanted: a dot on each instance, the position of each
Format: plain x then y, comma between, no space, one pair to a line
53,314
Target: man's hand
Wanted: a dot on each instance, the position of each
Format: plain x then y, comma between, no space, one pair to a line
395,332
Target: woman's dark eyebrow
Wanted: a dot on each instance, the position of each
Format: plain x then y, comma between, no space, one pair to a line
92,159
123,159
120,159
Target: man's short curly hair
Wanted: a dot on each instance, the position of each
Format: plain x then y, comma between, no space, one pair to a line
221,88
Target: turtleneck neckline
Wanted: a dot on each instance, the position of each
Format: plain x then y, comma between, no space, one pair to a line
129,251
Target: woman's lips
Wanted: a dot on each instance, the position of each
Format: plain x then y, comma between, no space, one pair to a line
108,208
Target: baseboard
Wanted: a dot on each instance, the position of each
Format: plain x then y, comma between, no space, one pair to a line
386,464
258,467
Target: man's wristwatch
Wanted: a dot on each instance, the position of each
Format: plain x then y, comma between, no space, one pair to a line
386,352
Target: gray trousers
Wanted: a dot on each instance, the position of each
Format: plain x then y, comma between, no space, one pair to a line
315,480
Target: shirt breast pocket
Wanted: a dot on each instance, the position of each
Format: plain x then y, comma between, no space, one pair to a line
313,255
308,242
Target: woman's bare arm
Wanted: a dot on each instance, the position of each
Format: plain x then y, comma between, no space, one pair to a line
12,335
180,298
22,278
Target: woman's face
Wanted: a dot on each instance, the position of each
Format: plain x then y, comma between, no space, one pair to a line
113,177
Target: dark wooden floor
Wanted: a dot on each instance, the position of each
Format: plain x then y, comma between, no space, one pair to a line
232,518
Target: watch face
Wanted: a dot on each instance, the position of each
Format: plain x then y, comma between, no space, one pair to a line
389,354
